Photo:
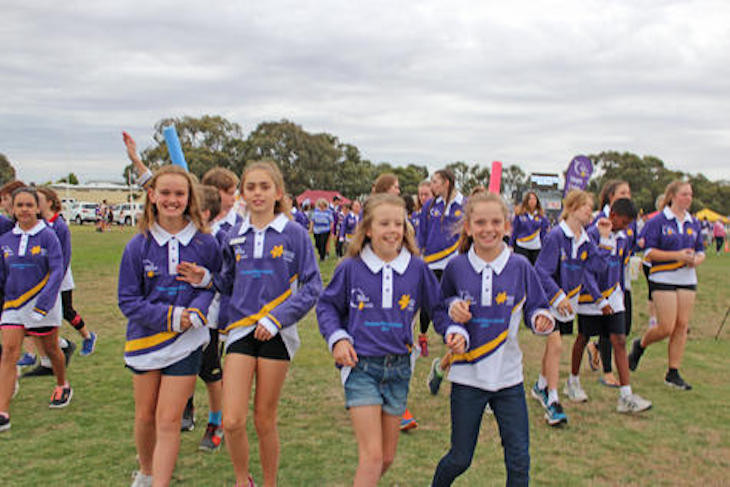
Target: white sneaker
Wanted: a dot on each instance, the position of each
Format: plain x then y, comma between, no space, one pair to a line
575,392
632,404
141,480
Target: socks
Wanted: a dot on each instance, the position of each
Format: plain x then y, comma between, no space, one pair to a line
625,391
541,382
46,362
552,396
62,342
574,380
215,418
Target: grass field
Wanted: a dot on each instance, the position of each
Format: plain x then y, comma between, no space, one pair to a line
683,440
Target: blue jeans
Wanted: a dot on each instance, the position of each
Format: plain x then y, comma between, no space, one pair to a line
467,409
380,381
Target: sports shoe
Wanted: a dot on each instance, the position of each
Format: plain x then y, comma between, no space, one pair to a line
635,354
675,381
212,438
188,418
594,357
407,421
4,422
540,394
575,392
26,360
61,397
141,480
37,371
423,344
633,403
68,351
554,414
88,345
434,379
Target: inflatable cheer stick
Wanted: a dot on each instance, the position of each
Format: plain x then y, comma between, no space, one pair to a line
495,177
173,147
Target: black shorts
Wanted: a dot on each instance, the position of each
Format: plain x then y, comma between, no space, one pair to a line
660,286
189,365
531,254
603,325
272,349
210,368
564,327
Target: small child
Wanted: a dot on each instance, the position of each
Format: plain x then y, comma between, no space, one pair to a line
601,309
489,290
365,315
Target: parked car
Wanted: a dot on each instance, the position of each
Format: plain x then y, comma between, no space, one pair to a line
127,213
81,212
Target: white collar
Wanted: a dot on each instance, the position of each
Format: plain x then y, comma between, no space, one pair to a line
569,233
497,264
375,263
671,216
162,236
607,211
230,217
37,228
278,224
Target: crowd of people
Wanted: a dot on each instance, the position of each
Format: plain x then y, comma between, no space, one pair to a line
212,275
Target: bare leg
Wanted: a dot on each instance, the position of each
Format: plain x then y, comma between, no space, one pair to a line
12,341
238,374
621,358
270,375
146,388
578,349
551,359
54,353
390,432
678,338
367,423
666,307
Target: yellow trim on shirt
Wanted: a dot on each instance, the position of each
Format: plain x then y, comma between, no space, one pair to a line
666,267
148,342
529,237
264,311
575,291
443,253
28,295
472,355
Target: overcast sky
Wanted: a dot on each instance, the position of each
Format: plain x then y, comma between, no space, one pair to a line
530,83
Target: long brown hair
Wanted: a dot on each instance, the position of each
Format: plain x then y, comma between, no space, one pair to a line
192,211
465,241
608,190
384,182
523,207
270,167
360,239
671,192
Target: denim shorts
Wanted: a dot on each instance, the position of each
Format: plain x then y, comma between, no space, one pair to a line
379,381
190,365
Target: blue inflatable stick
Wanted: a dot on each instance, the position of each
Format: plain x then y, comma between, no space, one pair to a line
173,147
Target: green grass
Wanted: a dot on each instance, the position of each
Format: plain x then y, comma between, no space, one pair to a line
684,439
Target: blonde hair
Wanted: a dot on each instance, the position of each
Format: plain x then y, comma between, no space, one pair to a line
671,192
192,211
270,167
465,241
574,200
321,204
360,239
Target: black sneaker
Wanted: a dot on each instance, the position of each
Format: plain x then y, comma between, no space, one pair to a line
4,423
68,351
61,397
675,380
635,355
212,439
188,418
37,371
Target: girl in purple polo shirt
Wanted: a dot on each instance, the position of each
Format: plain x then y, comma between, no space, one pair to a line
166,328
673,245
270,272
529,227
365,316
489,291
31,271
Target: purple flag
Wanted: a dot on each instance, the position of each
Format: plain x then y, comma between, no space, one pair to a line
578,173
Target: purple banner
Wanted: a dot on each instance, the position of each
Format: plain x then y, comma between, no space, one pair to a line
578,173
